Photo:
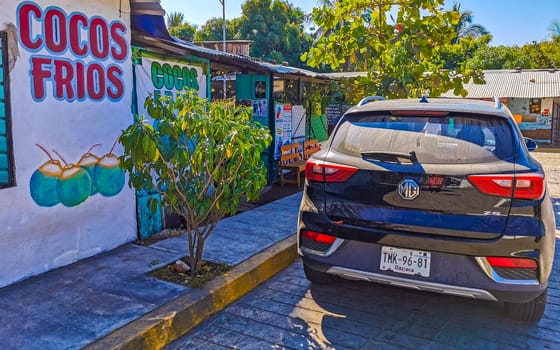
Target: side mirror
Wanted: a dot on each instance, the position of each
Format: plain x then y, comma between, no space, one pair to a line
531,144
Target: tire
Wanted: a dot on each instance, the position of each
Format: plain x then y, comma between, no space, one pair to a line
317,277
531,311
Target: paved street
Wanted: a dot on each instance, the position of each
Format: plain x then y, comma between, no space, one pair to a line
551,164
287,312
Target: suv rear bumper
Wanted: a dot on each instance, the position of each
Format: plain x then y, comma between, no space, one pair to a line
538,248
513,293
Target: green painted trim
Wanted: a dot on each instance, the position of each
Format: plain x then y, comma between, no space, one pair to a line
6,149
272,175
134,106
208,82
188,58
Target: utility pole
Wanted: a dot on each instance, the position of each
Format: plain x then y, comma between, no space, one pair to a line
223,2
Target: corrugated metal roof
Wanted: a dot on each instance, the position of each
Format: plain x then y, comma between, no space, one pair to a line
341,75
535,83
531,83
282,69
187,48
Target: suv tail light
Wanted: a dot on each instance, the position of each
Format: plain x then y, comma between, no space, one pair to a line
318,237
514,268
316,242
524,186
512,263
322,171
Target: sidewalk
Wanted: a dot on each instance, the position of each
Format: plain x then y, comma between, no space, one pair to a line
109,301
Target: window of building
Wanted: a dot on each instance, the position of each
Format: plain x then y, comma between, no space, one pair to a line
6,153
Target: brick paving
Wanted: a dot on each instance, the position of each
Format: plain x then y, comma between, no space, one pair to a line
288,312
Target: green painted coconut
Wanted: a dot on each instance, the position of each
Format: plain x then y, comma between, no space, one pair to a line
43,183
74,185
108,175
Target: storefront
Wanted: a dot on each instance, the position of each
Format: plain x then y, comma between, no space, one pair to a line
285,99
65,83
534,116
300,105
72,77
532,96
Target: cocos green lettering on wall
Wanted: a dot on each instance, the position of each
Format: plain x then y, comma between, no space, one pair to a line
174,77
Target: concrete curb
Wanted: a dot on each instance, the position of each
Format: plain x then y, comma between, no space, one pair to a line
167,323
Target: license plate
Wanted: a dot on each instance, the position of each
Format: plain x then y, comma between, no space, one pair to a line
405,261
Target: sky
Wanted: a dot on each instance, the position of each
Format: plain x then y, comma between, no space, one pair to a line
511,22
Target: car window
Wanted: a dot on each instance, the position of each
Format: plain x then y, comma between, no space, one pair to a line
454,138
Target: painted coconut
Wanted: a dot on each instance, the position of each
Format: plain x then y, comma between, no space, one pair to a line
43,182
108,175
88,162
74,185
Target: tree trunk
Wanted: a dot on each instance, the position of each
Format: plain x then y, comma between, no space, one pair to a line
196,249
198,254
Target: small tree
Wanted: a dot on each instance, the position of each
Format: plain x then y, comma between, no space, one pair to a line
202,157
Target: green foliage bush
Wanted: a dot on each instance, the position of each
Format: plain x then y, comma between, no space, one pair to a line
202,157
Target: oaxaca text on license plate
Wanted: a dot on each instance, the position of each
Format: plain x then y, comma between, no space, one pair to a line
406,261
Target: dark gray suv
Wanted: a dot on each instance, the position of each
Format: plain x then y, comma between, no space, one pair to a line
438,195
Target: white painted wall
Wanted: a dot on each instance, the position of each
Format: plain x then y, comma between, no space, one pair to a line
36,238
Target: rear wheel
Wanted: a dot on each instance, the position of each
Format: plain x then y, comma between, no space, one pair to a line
317,277
531,311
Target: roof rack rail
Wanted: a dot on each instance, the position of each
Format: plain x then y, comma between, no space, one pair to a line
369,99
497,102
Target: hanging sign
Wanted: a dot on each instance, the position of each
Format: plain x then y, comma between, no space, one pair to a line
162,78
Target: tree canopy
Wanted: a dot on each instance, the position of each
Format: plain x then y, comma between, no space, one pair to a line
536,55
401,45
177,26
174,19
276,29
212,30
554,29
465,27
406,47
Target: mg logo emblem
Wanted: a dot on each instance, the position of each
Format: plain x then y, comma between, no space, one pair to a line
409,189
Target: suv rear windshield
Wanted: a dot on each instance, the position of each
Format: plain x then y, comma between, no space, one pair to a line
453,138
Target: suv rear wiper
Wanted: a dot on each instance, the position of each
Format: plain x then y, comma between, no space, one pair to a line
391,157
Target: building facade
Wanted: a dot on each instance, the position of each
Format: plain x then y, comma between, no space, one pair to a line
65,95
532,96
